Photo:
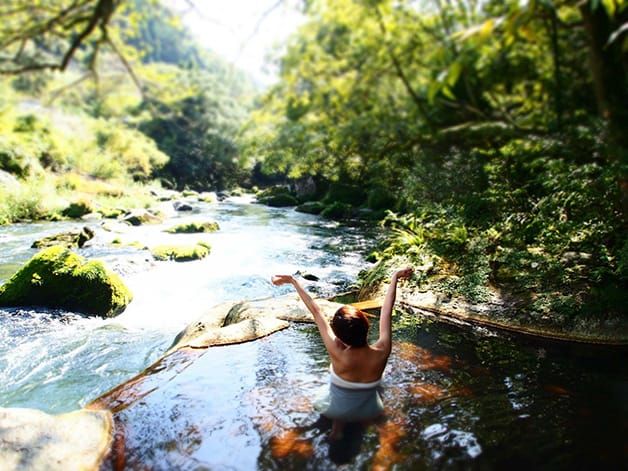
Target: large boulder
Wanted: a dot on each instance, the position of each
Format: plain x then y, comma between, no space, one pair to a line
59,278
33,440
236,322
70,239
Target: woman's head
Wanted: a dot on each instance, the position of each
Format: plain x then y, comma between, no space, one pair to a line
351,326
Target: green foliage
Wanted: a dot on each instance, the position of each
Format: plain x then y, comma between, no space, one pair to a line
58,278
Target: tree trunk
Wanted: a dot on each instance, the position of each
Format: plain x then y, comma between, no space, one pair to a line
610,85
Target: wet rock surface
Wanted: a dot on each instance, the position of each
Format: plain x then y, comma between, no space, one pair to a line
33,440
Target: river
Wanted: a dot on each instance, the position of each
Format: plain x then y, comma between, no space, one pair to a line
455,396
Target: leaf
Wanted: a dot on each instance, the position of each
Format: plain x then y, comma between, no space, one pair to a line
448,93
454,73
432,91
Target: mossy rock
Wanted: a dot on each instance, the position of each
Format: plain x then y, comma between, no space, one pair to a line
279,201
187,193
194,227
344,193
181,253
59,278
139,217
337,211
77,209
111,213
311,207
207,197
70,239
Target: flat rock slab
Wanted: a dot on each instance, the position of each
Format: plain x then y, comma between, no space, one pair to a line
230,322
31,439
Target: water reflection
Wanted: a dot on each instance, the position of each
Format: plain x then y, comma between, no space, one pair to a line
479,402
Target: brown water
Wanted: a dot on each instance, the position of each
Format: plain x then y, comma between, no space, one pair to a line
455,397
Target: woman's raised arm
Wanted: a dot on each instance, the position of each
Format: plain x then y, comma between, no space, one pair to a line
321,322
385,322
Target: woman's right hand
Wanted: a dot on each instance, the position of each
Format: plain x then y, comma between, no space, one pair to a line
403,273
279,280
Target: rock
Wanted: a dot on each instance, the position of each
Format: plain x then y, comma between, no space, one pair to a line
187,193
137,217
164,195
281,201
235,322
307,276
182,206
311,207
117,227
92,217
277,198
31,439
181,253
77,209
208,197
111,213
69,239
305,188
194,227
59,278
337,211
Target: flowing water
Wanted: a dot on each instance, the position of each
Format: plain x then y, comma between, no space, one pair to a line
456,397
57,361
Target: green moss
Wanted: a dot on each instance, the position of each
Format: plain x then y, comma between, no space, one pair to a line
181,253
194,227
311,207
59,278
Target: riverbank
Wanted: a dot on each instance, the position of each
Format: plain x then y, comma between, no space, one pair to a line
509,308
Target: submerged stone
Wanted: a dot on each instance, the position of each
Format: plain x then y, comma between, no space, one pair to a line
59,278
70,239
32,439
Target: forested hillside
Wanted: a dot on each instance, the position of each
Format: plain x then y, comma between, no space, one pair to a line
136,100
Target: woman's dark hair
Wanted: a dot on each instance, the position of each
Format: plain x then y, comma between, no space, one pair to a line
351,326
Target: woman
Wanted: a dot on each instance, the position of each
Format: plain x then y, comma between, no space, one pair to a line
356,367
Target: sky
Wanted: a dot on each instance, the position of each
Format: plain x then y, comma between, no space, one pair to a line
244,32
